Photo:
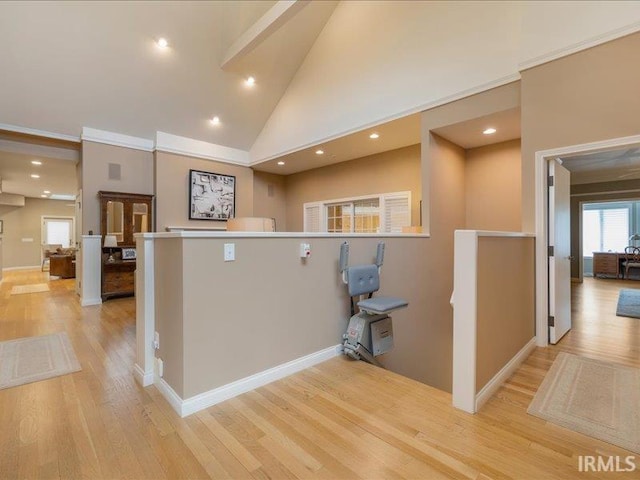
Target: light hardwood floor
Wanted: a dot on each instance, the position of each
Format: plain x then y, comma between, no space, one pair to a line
341,419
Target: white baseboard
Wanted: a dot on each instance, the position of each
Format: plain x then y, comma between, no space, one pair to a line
496,382
233,389
85,302
32,267
144,379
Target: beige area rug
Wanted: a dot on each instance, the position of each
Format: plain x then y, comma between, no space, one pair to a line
33,288
599,399
31,359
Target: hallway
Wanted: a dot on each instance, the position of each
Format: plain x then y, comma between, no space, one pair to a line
340,419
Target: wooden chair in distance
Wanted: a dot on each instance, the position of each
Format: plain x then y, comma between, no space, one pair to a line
631,259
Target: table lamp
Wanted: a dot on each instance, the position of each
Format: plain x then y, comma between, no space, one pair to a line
633,238
110,242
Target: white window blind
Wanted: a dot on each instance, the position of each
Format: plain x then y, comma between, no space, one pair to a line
605,229
615,229
397,212
312,217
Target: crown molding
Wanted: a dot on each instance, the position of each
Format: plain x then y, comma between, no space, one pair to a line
116,139
577,47
165,142
39,133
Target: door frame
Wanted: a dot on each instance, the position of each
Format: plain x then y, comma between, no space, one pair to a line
542,158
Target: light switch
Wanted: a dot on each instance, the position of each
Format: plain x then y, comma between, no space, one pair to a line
229,252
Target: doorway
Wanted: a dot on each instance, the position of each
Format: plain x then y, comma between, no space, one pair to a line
58,231
542,159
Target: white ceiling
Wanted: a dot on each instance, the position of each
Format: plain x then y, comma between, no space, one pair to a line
396,134
469,134
57,172
607,166
95,64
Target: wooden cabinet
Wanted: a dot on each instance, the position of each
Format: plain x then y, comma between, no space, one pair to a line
606,264
118,279
121,216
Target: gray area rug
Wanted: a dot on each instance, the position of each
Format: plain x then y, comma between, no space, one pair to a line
593,397
629,303
31,359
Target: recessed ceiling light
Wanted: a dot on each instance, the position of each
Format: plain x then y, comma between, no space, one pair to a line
373,136
250,81
47,191
489,131
280,162
319,152
162,42
215,120
43,196
35,175
36,162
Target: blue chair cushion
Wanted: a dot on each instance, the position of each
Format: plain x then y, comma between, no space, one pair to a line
382,304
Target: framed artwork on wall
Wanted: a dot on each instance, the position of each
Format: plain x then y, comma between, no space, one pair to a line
212,196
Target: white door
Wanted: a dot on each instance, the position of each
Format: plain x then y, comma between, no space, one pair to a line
560,257
57,231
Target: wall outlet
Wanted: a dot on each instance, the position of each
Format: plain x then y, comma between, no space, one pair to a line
160,367
229,252
305,250
156,340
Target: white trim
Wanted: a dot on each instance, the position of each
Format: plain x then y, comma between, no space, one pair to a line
225,234
169,394
144,379
605,192
465,312
577,47
145,306
505,372
8,269
541,157
87,302
116,139
212,397
39,133
166,142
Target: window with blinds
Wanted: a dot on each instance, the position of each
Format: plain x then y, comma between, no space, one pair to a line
605,228
385,212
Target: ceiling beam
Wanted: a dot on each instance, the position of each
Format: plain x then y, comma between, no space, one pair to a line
270,22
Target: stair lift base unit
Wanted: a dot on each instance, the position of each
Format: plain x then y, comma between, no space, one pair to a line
370,331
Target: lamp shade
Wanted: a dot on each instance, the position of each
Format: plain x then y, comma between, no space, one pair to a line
110,241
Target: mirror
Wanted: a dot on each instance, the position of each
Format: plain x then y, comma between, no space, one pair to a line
140,218
115,220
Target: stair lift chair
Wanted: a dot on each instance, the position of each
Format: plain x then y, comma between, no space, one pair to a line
370,331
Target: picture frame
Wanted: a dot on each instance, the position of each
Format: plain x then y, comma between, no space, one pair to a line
128,254
212,196
1,227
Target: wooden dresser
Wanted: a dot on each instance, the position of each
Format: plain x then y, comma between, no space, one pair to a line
606,264
118,278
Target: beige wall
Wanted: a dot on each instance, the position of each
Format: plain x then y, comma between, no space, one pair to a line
269,198
25,223
585,97
172,189
506,322
394,171
136,177
297,307
493,187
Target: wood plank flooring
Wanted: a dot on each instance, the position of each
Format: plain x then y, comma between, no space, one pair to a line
338,420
